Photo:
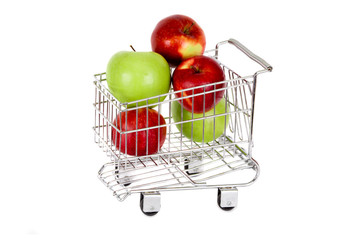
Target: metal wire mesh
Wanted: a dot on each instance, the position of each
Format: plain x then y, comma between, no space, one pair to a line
237,115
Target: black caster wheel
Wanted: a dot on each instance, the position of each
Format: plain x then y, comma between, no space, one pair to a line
150,203
193,167
186,167
227,198
117,176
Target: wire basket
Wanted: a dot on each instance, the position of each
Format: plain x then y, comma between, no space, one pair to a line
180,163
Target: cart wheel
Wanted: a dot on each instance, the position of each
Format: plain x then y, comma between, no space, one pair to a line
193,167
186,166
117,176
227,198
150,203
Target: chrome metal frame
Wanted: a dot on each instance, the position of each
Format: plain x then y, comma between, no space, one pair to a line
176,165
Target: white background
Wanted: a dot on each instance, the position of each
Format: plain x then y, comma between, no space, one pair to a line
306,121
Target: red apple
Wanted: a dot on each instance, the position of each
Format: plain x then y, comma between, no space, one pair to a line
143,142
177,38
194,72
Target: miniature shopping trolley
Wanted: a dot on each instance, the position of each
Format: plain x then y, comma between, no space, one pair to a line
224,163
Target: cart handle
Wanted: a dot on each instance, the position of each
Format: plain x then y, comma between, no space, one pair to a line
247,52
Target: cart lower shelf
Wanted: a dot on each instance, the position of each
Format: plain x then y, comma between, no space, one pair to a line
215,167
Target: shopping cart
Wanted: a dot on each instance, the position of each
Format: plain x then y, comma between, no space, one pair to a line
181,163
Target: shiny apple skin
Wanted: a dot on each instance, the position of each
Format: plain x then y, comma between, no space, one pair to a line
202,130
177,38
132,76
194,72
145,139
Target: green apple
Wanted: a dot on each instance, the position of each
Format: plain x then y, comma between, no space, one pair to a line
197,128
133,76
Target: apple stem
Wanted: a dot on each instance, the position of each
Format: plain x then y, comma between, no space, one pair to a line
187,30
196,70
132,48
